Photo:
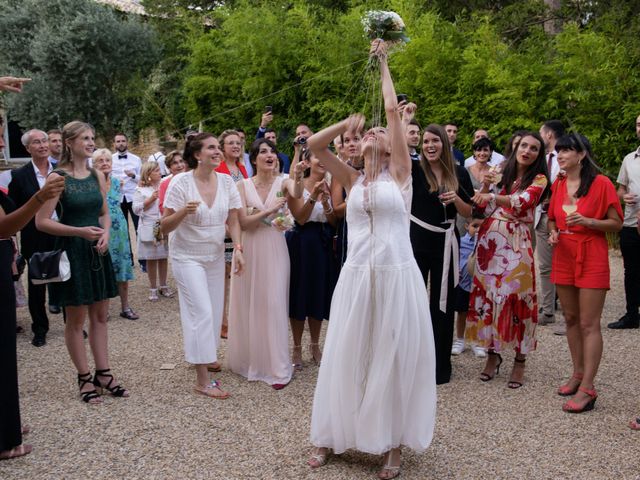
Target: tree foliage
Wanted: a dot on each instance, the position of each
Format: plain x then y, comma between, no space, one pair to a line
87,62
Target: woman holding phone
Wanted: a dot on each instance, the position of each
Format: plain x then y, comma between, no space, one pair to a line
198,206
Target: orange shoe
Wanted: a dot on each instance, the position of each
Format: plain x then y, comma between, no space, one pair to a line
572,407
566,389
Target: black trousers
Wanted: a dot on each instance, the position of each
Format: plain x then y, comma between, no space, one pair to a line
431,264
38,308
630,248
10,428
127,209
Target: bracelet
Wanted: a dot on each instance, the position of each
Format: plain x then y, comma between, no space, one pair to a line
238,247
40,201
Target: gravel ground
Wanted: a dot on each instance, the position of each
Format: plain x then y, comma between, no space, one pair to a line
484,430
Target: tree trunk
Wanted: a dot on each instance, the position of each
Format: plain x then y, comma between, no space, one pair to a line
554,25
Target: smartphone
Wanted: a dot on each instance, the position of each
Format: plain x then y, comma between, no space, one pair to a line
268,109
402,98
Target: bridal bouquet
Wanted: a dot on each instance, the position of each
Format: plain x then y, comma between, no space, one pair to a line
385,25
283,221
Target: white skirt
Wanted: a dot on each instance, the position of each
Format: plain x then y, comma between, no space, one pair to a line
376,387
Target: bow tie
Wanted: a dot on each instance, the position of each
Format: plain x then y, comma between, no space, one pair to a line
122,155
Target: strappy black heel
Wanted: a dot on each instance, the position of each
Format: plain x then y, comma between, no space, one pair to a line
91,395
116,390
485,377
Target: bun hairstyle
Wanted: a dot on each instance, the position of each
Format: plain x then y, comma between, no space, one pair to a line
194,145
70,132
255,150
588,167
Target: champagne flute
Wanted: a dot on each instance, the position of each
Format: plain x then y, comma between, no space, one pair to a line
442,189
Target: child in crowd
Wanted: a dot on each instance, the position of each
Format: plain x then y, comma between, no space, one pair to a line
467,248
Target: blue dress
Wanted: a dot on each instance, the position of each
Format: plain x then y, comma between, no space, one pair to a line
119,246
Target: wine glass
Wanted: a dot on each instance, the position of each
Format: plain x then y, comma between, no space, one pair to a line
442,189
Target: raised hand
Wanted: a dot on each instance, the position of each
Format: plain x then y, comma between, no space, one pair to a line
266,119
53,186
12,84
378,49
354,123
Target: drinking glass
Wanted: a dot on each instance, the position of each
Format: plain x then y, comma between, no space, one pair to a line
441,190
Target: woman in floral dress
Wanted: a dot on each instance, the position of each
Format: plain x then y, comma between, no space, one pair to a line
119,246
503,309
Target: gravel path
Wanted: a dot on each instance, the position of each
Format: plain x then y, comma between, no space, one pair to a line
484,430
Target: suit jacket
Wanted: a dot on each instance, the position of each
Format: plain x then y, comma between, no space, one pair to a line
23,186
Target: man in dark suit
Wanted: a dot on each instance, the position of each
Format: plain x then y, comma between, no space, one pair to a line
26,181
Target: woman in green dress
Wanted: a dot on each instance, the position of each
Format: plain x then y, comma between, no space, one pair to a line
119,246
83,231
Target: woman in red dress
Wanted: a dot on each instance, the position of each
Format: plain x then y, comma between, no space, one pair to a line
584,206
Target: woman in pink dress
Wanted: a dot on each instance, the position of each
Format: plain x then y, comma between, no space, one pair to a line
503,309
258,345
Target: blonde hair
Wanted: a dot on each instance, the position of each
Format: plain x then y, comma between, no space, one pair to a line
101,152
71,131
145,173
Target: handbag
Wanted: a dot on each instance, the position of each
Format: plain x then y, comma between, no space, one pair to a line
49,267
145,232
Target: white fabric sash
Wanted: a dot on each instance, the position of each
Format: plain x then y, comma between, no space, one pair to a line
450,247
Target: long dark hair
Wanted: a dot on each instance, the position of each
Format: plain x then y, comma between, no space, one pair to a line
588,168
539,166
194,144
449,173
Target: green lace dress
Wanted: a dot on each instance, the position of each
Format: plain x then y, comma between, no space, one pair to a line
92,278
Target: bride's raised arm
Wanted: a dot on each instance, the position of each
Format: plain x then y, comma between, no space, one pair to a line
319,144
400,164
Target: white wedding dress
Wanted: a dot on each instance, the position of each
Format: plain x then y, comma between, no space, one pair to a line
376,387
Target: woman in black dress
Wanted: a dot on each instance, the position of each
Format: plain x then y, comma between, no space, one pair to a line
11,221
313,266
441,189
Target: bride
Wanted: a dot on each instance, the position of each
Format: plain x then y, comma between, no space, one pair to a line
376,387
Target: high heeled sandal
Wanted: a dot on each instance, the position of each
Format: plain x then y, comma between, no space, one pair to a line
297,366
90,396
485,377
318,459
513,384
116,390
566,389
389,471
315,360
572,407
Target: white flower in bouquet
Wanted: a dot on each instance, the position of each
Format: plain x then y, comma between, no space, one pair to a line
388,26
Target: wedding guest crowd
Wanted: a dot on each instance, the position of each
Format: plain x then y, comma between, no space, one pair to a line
260,245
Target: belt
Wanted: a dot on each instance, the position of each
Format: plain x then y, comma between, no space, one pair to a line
450,248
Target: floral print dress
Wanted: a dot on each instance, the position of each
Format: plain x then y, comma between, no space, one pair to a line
119,246
503,307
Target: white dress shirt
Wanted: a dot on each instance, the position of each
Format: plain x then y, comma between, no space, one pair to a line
553,174
129,184
42,180
160,159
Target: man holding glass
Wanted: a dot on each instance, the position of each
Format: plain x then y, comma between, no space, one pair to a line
629,193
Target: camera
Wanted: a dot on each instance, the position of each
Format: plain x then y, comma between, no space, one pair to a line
300,141
402,97
268,109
